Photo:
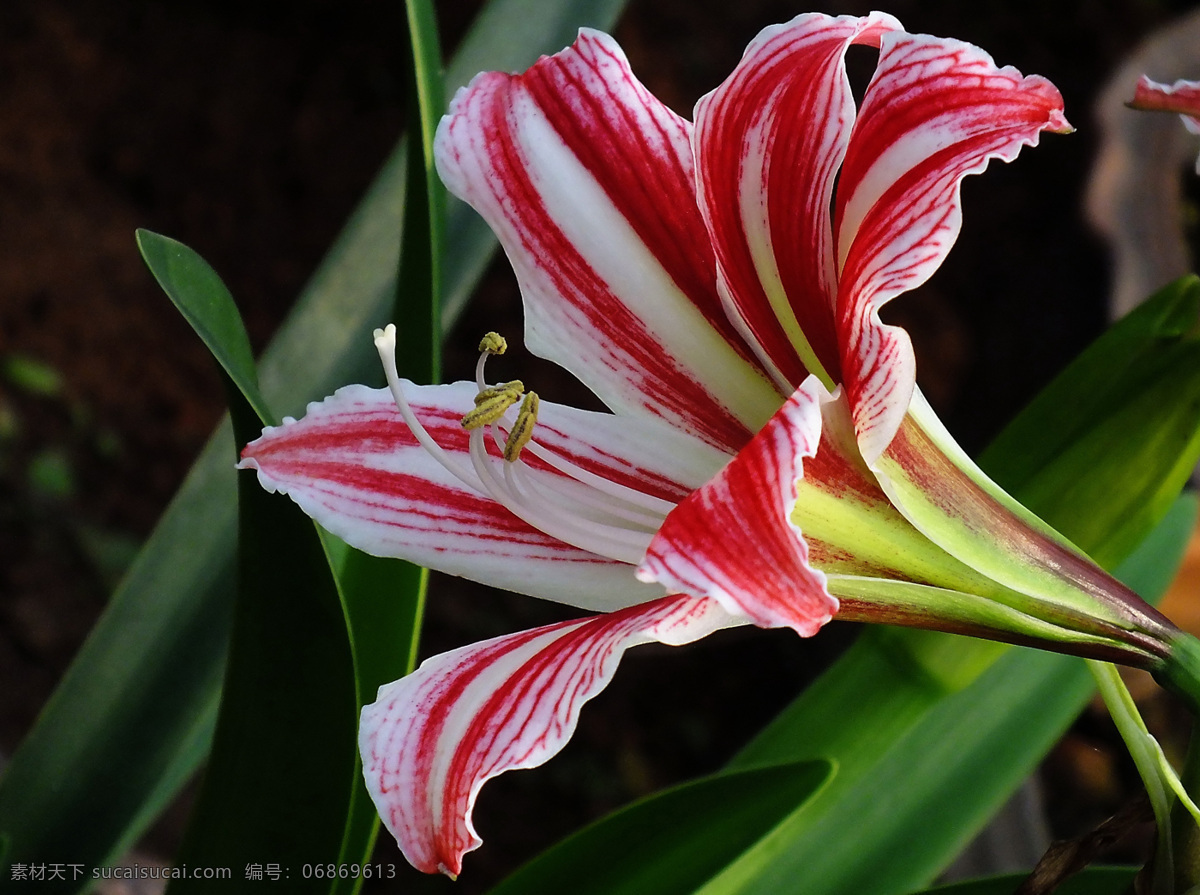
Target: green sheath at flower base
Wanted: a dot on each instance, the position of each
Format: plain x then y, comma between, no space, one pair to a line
1180,673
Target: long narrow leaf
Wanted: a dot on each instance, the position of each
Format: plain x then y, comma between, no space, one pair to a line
200,296
290,678
278,784
134,713
385,599
670,843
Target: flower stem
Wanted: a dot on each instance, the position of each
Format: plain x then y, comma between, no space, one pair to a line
1184,830
1146,755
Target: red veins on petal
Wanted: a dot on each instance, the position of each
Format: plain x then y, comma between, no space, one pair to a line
734,540
512,145
353,465
431,740
1182,97
769,142
936,111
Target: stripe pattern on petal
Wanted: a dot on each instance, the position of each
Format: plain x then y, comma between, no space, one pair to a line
734,539
431,740
588,182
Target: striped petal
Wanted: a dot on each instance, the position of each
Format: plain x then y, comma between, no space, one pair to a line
734,539
431,740
353,465
588,182
936,111
1182,97
769,142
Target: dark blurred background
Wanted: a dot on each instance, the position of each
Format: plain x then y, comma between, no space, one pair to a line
248,131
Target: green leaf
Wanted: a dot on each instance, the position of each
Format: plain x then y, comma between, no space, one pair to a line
385,599
279,781
1142,376
200,295
673,841
133,716
384,603
290,680
1092,881
419,280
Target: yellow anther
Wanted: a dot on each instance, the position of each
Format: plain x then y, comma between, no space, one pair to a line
493,343
522,430
490,409
515,388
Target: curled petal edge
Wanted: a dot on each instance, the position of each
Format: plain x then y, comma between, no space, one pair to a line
734,539
936,111
432,739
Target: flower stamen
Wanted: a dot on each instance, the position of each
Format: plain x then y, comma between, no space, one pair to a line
521,432
563,500
491,403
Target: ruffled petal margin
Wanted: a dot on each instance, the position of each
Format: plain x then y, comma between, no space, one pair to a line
769,142
1182,97
588,182
353,465
734,539
431,740
936,111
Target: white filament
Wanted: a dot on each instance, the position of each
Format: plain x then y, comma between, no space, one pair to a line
385,344
578,507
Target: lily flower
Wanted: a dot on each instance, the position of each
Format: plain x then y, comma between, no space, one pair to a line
768,458
1182,97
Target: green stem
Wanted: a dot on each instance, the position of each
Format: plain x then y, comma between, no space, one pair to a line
1184,829
1145,754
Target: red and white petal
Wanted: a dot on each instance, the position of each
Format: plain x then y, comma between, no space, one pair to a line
769,142
431,740
588,182
936,111
734,539
1182,97
353,465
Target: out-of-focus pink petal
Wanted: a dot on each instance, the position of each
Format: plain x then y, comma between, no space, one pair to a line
769,142
353,465
936,111
734,539
588,182
431,740
1182,97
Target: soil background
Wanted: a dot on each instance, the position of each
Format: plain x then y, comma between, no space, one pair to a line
249,131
